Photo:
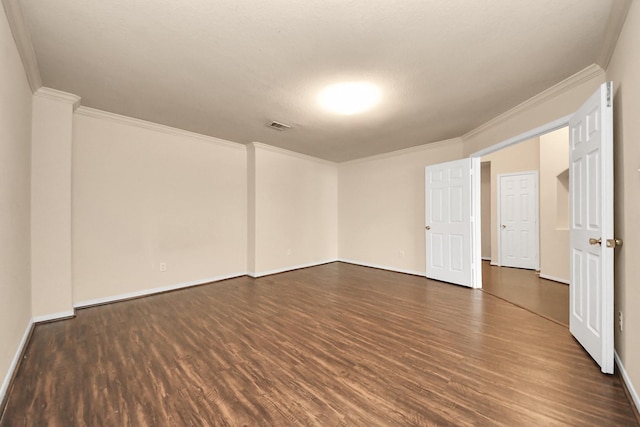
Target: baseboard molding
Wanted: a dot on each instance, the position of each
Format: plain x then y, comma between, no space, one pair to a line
291,268
15,363
383,267
486,258
555,279
495,264
152,291
627,382
55,316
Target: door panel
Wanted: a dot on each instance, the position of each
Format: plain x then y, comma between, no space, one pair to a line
591,195
518,218
449,243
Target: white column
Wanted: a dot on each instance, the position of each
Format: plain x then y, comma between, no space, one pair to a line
51,144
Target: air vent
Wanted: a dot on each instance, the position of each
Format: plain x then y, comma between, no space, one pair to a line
278,126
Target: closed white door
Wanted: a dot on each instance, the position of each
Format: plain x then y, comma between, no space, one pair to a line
450,246
591,226
518,219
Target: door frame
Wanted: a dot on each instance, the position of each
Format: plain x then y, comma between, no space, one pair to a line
477,156
537,218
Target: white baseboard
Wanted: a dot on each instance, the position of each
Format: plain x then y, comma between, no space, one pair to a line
627,381
384,267
14,363
495,264
55,316
555,279
115,298
486,258
285,269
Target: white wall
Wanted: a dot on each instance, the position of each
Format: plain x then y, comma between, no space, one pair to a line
554,232
52,127
295,206
624,70
381,205
522,157
145,194
15,169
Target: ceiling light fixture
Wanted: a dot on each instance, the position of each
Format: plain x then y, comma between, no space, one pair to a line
350,97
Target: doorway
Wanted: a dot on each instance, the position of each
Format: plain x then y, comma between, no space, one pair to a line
591,220
543,288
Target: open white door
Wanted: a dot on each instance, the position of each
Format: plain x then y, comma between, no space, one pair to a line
591,228
451,245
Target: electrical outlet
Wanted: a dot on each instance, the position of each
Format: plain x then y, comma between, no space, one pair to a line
163,266
620,320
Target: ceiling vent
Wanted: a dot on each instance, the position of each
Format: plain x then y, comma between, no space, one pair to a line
278,126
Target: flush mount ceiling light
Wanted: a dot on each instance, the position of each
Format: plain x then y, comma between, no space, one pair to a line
349,97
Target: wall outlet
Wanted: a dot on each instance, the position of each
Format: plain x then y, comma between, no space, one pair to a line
620,320
163,266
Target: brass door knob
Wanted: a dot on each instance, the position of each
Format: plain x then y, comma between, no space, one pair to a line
428,227
614,243
593,241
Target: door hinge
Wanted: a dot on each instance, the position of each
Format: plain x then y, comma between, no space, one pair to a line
609,94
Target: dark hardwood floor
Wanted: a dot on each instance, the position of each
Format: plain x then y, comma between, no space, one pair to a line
526,289
331,345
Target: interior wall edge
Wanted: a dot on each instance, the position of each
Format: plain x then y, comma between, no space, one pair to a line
62,315
590,72
555,279
290,268
627,382
15,364
383,267
404,151
58,95
22,38
615,23
152,291
132,121
291,153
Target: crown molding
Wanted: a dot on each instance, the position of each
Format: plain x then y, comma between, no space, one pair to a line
58,95
615,22
589,73
286,152
130,121
405,151
23,42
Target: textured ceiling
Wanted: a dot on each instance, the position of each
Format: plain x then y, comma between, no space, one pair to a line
224,68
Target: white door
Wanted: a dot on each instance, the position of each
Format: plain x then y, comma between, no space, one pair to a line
591,228
451,245
518,219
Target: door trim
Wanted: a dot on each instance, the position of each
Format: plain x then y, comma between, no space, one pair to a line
477,156
537,210
540,130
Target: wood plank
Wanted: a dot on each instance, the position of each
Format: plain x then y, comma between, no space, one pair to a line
336,344
526,289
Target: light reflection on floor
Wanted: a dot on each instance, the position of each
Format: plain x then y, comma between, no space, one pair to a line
525,289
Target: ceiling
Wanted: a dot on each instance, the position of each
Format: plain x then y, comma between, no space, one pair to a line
225,68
